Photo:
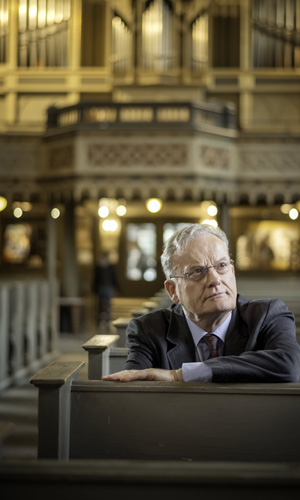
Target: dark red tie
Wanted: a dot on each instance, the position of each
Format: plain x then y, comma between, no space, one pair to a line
211,341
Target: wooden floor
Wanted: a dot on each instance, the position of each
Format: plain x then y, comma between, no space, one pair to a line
18,404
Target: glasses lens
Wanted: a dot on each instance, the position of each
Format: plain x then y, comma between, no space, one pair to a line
198,274
222,267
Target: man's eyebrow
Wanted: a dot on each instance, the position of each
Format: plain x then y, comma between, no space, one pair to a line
195,266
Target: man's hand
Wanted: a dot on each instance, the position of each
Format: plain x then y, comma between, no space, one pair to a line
148,374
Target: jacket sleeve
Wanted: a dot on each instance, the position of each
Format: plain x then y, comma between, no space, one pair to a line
272,353
141,353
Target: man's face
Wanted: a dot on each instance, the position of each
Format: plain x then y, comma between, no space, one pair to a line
211,298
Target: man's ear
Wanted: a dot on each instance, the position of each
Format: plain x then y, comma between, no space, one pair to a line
171,289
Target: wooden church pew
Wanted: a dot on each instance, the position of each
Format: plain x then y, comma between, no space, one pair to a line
162,421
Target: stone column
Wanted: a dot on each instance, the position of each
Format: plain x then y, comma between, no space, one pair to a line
69,271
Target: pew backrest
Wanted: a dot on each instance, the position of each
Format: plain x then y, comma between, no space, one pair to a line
157,420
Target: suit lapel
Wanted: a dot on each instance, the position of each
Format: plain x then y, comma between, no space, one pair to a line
181,348
237,335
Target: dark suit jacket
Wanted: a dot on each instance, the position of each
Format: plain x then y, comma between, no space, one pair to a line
260,344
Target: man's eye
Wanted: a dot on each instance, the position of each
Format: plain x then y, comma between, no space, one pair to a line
198,271
221,265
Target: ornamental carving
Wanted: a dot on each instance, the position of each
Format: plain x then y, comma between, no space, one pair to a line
61,157
136,155
214,157
19,160
270,161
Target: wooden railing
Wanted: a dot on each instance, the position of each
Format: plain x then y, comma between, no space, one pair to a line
111,116
28,328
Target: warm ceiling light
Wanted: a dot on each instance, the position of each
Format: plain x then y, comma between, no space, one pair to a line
293,214
110,225
3,203
285,208
24,205
121,210
212,210
103,211
18,212
154,205
55,213
210,222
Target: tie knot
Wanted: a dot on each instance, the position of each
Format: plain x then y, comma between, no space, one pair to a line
211,341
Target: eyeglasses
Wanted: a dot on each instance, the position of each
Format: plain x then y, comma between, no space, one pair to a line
200,272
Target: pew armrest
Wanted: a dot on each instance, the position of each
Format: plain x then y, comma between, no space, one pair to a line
98,348
100,342
57,373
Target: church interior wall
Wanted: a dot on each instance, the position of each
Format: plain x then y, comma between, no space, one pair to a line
255,168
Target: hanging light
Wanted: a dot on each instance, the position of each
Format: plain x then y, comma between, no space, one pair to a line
18,212
212,210
110,225
285,208
55,213
154,205
3,203
103,211
25,206
210,222
121,210
293,214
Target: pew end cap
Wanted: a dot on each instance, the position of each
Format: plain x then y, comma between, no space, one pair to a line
100,342
57,373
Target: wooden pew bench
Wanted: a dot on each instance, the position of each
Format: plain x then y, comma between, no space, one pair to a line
162,421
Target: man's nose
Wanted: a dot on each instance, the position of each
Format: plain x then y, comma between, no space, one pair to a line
212,275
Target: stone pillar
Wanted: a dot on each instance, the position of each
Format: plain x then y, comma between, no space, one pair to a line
224,218
52,277
69,271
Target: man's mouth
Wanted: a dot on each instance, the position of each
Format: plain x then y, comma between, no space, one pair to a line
216,295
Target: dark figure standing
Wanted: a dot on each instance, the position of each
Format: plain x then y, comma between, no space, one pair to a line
105,286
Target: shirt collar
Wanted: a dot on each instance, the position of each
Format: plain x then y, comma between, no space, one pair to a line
197,332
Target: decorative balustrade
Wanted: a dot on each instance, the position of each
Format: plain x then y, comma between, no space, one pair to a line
28,331
184,115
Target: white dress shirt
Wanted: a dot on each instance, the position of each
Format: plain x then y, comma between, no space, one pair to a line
200,371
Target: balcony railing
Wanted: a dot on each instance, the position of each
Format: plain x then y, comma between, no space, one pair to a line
112,116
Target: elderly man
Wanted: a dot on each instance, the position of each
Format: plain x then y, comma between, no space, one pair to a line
210,334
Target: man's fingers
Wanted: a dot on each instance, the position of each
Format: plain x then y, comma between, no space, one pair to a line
147,374
126,376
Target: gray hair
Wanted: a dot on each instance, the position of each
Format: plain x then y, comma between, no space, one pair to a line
181,238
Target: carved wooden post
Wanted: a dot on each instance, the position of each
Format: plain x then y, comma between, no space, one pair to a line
120,325
54,384
98,355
